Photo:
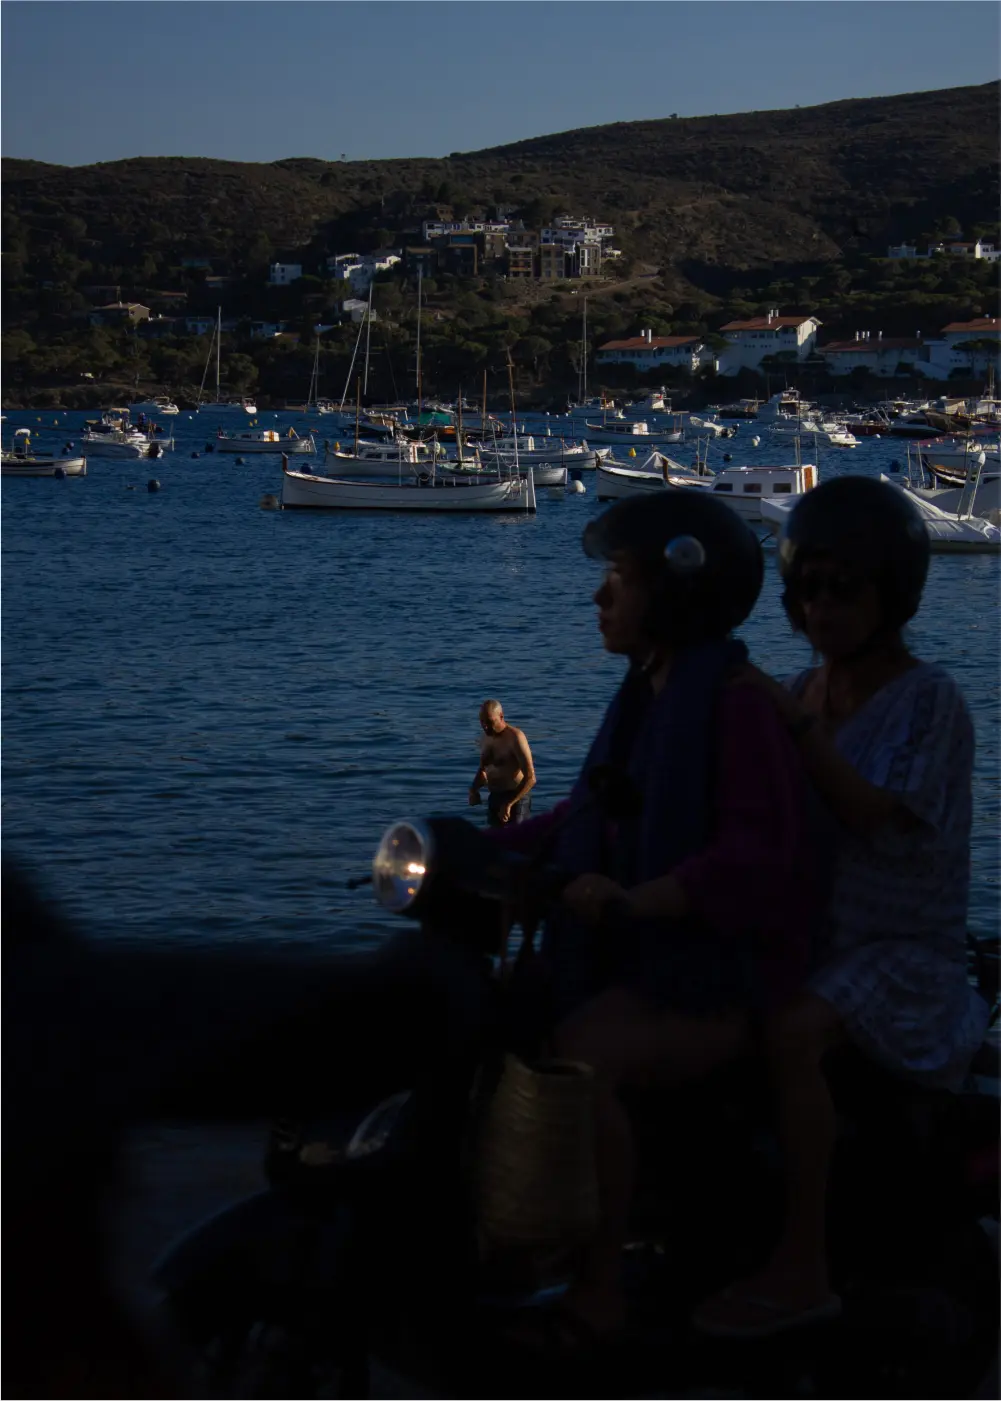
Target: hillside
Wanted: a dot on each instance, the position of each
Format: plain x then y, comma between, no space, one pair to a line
723,207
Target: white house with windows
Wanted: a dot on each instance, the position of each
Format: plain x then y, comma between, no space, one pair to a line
880,356
281,274
359,271
977,249
946,353
647,352
749,342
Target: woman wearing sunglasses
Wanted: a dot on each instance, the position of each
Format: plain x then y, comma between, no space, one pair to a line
888,743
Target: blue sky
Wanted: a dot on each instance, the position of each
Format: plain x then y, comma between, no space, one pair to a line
245,81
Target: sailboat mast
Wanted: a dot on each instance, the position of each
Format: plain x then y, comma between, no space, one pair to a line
458,436
218,339
583,356
368,333
483,420
420,279
357,415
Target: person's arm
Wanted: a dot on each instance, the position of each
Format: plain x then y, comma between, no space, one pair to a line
863,807
478,782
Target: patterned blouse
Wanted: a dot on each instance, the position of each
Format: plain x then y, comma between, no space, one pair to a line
892,954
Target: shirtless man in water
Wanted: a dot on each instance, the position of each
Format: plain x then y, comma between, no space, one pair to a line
505,767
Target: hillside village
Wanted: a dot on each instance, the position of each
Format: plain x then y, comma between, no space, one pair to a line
676,250
576,248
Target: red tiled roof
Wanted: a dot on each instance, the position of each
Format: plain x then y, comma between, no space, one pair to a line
762,323
982,323
655,343
887,343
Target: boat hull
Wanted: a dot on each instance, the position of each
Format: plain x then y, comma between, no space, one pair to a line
297,446
107,447
43,467
303,490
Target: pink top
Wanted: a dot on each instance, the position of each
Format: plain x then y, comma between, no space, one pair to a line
758,872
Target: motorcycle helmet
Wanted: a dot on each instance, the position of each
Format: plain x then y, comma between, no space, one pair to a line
704,564
873,528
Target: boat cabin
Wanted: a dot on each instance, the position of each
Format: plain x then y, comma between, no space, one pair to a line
745,487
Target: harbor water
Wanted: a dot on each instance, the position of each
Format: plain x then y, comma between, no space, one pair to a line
211,710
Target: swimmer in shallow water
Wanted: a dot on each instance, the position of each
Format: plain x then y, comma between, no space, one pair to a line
506,768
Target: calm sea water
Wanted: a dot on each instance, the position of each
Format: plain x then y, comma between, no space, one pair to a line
211,711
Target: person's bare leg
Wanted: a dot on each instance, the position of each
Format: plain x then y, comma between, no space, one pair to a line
796,1275
623,1038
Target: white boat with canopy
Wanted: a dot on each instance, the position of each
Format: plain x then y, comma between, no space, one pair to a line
425,490
948,532
656,473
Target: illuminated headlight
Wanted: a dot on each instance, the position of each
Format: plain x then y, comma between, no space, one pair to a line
402,865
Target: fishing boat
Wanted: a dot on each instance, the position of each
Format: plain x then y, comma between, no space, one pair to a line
657,473
950,461
624,430
424,490
534,451
264,440
219,405
21,460
375,459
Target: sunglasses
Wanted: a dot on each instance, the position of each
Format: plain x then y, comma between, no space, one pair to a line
841,588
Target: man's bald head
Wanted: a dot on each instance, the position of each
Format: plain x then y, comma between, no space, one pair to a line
492,716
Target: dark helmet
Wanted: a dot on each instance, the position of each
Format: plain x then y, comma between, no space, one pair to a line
705,565
871,526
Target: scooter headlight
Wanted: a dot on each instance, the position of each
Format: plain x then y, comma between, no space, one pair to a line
402,865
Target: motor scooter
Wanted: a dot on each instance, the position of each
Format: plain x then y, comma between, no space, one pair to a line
363,1247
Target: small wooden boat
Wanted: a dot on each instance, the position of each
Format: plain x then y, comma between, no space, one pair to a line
23,461
426,490
264,440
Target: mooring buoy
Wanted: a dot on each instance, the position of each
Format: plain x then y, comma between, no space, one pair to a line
152,484
269,502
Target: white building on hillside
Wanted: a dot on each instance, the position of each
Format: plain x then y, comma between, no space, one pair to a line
647,352
281,274
945,352
359,271
882,356
749,342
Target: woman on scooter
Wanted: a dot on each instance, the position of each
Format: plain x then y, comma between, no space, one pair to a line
888,743
672,934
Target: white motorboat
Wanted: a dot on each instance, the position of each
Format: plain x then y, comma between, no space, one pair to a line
986,501
114,435
711,425
654,402
947,533
159,406
264,440
954,532
425,491
23,461
746,488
